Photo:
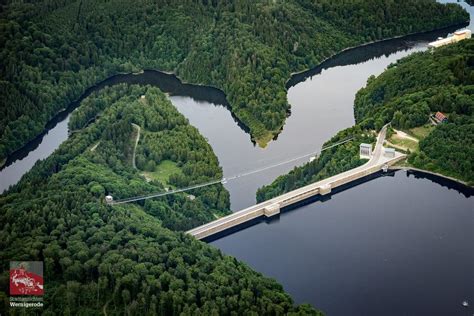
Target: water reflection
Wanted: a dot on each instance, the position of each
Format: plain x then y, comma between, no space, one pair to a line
398,245
394,245
321,106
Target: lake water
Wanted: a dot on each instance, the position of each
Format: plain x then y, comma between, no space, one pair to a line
394,245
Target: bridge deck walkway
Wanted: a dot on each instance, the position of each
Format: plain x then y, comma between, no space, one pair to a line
375,163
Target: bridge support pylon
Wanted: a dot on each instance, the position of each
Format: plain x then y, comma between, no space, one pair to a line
325,189
271,210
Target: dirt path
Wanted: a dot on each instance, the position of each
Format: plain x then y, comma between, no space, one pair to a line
136,144
95,146
396,146
405,135
104,309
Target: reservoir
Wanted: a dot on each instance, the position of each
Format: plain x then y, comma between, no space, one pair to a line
395,245
399,244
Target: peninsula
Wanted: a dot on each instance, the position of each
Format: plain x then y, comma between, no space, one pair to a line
408,95
56,50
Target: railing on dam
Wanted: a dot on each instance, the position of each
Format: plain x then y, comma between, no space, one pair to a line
273,206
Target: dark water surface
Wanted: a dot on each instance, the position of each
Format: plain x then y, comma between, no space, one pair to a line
391,246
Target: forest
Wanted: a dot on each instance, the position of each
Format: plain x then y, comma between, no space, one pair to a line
131,258
53,50
329,163
405,95
422,84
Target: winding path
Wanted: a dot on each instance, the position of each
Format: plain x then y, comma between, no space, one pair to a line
137,139
222,181
406,136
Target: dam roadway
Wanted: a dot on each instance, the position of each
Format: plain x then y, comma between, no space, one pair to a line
273,206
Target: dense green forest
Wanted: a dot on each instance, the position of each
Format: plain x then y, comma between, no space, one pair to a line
405,94
331,162
130,258
52,50
165,135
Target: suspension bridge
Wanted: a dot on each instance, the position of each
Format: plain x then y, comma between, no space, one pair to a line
378,161
223,180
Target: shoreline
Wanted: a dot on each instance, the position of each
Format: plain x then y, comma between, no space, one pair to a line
406,168
293,74
63,113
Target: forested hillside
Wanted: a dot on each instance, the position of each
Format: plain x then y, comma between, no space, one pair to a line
405,94
123,259
51,51
331,162
424,83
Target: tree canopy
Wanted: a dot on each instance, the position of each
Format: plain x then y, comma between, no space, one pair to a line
52,51
422,84
131,258
405,94
330,162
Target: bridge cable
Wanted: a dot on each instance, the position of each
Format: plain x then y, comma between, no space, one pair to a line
223,180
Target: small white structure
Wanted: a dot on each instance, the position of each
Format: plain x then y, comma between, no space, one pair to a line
325,189
462,34
389,152
311,159
365,150
191,197
109,199
456,37
271,210
142,97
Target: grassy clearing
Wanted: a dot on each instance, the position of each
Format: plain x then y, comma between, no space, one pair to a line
422,131
163,171
404,143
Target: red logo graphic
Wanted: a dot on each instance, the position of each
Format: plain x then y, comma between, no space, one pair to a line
26,278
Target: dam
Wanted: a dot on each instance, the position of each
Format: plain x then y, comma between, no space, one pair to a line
378,161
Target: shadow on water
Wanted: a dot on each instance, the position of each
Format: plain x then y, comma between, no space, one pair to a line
444,182
170,83
450,184
317,198
363,53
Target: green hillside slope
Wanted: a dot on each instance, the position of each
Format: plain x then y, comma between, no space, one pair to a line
419,86
130,258
51,51
406,94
